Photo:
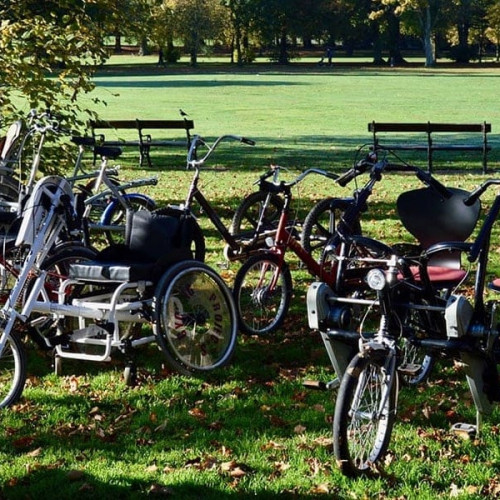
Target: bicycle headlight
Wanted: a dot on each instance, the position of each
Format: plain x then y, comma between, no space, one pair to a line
376,279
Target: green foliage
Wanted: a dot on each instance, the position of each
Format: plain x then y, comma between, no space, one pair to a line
48,61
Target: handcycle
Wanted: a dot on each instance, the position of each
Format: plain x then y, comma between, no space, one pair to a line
150,279
263,285
412,307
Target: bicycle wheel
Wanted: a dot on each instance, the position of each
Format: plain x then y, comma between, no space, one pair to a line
257,206
194,318
321,223
364,413
195,232
115,215
262,292
57,267
12,371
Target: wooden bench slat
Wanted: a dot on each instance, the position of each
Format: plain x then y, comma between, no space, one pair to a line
428,144
145,140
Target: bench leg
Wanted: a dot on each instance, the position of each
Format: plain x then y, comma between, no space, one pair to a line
144,155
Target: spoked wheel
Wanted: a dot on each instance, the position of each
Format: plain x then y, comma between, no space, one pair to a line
194,318
258,214
256,207
321,223
364,414
57,267
12,371
262,292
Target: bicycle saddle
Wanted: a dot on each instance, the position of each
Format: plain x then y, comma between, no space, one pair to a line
432,219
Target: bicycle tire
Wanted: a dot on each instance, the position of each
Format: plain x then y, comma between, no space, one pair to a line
9,188
360,436
261,311
198,248
12,371
115,214
321,223
247,215
195,319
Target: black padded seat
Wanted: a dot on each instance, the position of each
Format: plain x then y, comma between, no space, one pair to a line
154,243
112,271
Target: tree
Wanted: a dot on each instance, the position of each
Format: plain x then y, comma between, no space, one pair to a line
427,13
239,28
48,58
493,30
196,21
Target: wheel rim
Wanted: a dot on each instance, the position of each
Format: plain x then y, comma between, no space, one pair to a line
368,417
196,321
10,373
262,296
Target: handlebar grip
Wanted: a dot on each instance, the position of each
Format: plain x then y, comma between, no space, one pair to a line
434,184
474,196
347,177
245,140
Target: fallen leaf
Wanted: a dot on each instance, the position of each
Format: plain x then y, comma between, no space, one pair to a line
75,475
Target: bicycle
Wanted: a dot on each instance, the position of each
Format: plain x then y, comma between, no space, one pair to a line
106,210
411,306
259,211
263,284
151,279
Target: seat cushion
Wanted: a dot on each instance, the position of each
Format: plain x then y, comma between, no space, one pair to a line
440,276
112,271
495,285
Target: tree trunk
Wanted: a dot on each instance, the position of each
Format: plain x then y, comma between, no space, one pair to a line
283,55
430,59
118,43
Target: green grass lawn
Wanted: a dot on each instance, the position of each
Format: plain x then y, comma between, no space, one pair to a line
251,430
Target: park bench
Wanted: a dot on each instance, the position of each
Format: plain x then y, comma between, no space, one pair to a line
143,137
455,131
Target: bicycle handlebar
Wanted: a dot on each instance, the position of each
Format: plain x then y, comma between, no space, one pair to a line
285,186
198,140
476,194
378,167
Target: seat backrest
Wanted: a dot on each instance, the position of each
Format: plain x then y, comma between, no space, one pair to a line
158,238
431,218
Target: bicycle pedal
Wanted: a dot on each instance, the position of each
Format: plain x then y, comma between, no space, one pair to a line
410,369
317,385
465,431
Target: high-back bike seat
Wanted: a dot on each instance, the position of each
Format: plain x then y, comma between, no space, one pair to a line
432,218
153,242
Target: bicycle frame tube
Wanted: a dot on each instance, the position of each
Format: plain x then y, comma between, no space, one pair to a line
212,215
480,251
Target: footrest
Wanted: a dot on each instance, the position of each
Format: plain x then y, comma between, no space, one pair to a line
465,431
410,369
